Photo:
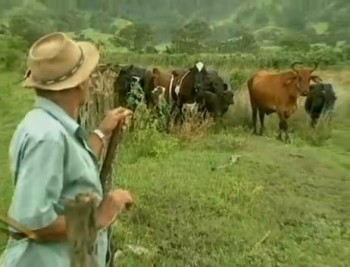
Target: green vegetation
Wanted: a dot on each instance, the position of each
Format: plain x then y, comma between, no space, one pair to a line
278,205
190,27
189,214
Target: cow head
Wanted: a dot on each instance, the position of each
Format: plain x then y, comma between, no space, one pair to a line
154,79
215,83
129,76
302,78
226,99
199,73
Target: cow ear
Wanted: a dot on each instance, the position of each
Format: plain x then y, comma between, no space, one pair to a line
155,71
290,80
316,79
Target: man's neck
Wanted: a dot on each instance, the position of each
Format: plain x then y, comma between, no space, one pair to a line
71,109
69,106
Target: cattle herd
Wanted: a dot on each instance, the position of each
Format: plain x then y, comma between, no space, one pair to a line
209,93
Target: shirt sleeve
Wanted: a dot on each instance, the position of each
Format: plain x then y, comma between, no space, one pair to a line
39,183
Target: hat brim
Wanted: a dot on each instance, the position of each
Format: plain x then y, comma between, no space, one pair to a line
92,57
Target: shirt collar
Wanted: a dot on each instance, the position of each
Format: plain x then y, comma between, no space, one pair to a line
60,114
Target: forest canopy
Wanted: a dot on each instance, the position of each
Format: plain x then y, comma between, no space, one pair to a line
182,26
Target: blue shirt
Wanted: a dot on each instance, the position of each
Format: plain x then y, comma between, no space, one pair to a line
50,161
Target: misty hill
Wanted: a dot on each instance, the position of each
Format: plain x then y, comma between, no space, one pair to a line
136,24
167,15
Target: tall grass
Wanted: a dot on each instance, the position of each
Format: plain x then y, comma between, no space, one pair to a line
190,212
239,114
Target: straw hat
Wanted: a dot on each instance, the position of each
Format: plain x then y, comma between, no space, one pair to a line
56,62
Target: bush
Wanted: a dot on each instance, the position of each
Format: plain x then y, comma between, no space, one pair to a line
295,42
136,36
261,60
101,21
145,137
238,78
30,26
72,21
12,52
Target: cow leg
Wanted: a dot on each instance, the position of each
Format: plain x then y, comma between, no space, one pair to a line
173,107
174,111
204,114
283,127
254,118
201,111
329,117
313,122
314,119
262,124
179,114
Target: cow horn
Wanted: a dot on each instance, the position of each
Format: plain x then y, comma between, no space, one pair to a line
315,66
294,64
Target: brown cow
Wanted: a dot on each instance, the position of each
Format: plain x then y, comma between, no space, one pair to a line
181,88
163,83
178,87
278,92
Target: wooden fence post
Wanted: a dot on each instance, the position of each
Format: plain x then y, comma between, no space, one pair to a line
81,214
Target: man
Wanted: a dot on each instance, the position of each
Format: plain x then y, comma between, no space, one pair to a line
52,160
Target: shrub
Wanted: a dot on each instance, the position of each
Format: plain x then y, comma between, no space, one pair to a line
238,78
12,52
261,60
145,138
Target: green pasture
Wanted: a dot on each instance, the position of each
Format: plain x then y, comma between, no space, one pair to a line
278,205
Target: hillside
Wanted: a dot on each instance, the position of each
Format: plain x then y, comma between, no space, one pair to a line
166,16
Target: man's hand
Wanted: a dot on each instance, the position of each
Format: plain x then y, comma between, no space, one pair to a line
119,117
112,205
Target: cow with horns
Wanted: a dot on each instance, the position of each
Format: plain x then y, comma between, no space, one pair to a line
278,92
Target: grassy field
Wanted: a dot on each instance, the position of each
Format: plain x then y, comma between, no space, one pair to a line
279,205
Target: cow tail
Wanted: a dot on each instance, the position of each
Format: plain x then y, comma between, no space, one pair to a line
250,88
250,83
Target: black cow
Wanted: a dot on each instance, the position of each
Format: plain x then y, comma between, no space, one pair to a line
217,97
131,77
321,99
